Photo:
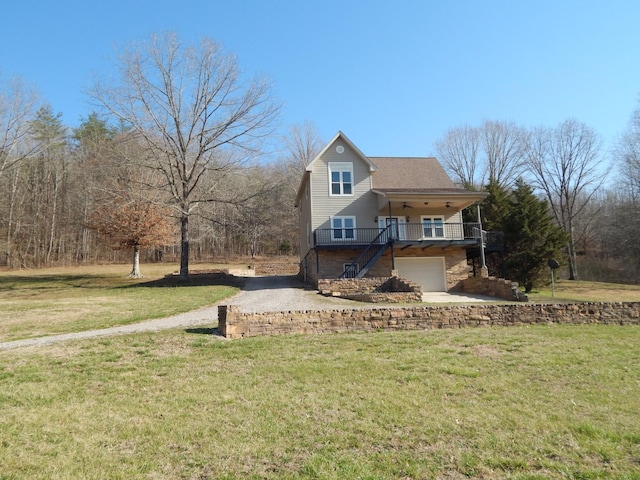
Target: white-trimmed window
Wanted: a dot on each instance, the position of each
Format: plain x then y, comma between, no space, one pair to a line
343,228
432,226
340,178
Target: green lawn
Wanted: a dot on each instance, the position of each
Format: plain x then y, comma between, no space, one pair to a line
521,402
44,302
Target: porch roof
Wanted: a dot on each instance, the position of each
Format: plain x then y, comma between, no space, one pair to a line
456,198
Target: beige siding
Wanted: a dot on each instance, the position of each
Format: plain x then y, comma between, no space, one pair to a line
362,204
415,214
304,220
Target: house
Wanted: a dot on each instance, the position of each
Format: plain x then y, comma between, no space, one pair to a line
370,216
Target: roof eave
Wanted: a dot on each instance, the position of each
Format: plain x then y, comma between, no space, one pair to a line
430,193
363,157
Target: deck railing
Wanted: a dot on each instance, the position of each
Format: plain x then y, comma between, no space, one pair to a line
407,232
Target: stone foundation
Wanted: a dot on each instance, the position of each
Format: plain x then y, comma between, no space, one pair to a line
331,263
235,324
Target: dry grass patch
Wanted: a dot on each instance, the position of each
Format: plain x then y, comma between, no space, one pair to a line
581,291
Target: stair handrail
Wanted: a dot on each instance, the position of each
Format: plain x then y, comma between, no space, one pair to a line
353,266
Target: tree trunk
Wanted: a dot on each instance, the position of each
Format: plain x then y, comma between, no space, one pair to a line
184,246
52,226
573,260
12,204
135,272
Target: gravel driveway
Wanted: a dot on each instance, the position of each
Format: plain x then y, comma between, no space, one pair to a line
260,294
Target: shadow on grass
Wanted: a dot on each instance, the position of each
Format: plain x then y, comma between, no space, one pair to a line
272,282
196,279
204,331
11,282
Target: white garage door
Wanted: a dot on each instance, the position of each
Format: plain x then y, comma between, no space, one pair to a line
426,271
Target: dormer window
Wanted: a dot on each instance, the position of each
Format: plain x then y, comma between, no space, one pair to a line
340,178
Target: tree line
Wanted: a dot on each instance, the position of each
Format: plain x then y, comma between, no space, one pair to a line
171,166
591,196
78,197
172,163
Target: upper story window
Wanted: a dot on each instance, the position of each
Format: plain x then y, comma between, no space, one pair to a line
340,178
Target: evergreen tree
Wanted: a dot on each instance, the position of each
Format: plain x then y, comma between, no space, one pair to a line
531,238
495,207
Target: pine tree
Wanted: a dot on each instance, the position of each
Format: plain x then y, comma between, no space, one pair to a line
531,237
495,207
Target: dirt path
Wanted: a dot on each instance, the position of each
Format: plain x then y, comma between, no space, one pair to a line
260,294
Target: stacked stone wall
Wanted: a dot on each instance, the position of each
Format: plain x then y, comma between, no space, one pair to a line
284,266
233,323
372,289
493,287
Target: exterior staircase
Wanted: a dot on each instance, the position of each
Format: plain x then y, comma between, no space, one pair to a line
370,255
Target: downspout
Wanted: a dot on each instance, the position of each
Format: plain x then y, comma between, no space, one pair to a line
483,271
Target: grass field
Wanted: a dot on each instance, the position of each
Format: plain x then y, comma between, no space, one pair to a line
522,402
583,291
44,302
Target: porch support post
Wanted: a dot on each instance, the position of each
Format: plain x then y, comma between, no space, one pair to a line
393,257
317,262
484,272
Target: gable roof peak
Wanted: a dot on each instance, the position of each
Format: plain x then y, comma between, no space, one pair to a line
345,139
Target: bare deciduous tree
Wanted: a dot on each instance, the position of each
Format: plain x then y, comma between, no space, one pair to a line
17,106
458,152
564,162
302,144
479,156
194,113
627,152
504,148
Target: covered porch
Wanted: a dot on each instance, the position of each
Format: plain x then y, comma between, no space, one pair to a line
425,233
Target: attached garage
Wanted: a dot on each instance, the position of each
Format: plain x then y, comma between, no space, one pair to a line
429,272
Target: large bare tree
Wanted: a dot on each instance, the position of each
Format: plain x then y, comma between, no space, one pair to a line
565,161
196,115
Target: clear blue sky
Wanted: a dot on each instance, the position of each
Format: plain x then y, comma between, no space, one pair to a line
394,76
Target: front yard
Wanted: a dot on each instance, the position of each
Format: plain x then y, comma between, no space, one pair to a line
521,402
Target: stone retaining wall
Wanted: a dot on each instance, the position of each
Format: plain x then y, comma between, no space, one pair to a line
493,287
233,323
286,266
372,289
